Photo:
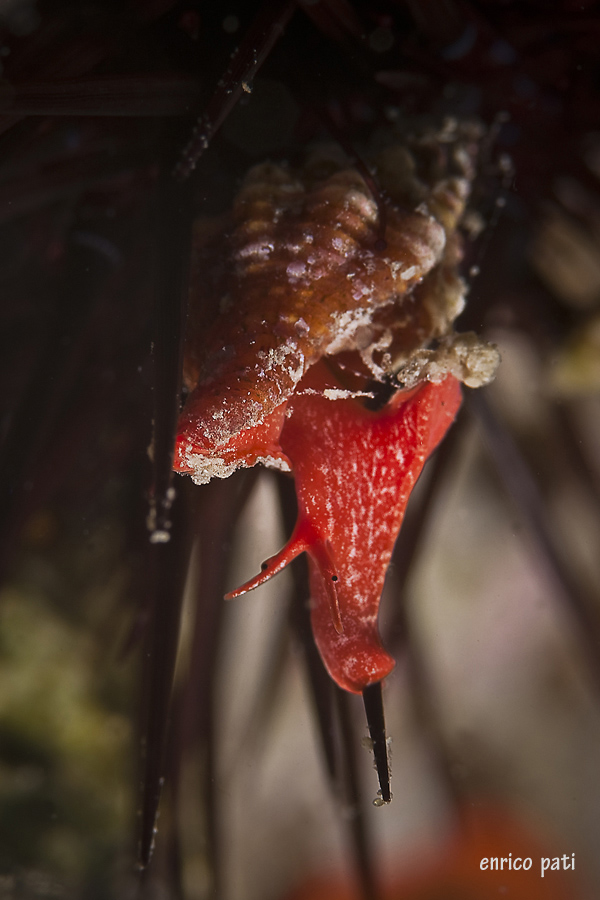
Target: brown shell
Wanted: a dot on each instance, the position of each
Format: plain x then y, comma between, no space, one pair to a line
300,271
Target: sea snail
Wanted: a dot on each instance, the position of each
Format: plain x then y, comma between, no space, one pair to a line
318,299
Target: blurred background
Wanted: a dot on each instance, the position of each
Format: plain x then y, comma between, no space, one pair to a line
124,678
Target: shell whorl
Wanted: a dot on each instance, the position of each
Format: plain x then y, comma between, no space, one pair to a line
301,273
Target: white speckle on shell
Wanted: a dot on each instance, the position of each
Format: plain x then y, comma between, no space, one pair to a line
296,270
347,324
360,290
261,249
465,356
301,327
206,467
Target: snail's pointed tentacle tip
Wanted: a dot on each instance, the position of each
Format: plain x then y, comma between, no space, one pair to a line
373,702
294,547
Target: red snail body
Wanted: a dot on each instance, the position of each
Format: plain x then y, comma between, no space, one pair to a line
319,299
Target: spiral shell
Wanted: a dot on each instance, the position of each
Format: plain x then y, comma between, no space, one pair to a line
305,269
